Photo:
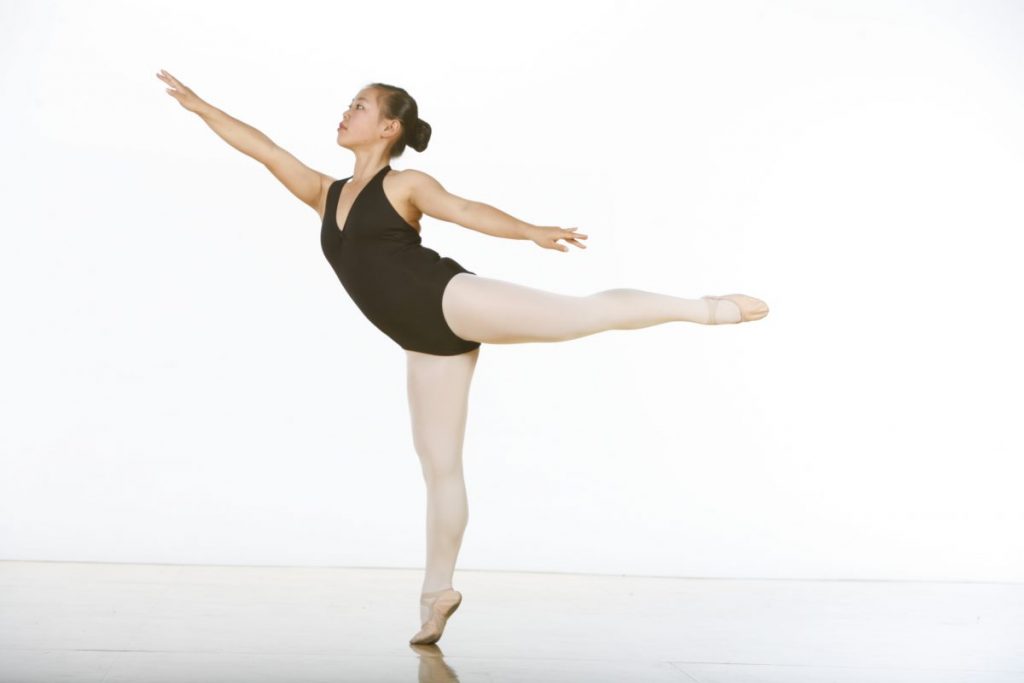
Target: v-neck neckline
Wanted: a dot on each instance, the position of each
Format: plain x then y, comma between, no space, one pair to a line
341,228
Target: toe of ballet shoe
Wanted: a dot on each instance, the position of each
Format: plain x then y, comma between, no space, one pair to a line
751,308
420,638
443,605
425,637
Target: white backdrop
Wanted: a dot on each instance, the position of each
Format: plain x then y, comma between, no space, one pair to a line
184,379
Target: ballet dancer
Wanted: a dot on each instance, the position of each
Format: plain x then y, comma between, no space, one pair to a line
435,309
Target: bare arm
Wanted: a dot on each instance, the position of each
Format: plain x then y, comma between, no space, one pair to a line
431,198
303,182
238,134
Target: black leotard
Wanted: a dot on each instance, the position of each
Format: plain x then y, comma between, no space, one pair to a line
395,281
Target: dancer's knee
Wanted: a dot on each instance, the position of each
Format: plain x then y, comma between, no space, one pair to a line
439,464
608,306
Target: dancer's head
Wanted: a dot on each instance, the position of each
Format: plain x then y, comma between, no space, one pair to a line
385,115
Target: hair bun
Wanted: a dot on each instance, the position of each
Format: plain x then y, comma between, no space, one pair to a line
419,135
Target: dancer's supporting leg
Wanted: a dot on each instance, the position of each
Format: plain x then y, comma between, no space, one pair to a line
438,391
499,312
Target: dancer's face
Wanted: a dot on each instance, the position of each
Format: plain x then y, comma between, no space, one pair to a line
361,123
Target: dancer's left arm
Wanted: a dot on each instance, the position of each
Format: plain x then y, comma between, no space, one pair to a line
427,194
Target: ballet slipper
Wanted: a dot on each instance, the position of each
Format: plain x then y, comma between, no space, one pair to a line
443,604
746,314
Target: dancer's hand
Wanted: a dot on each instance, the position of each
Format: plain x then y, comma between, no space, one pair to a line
182,93
548,236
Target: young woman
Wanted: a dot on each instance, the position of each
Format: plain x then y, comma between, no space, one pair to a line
431,306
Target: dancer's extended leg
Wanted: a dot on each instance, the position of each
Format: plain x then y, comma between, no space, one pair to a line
438,390
499,312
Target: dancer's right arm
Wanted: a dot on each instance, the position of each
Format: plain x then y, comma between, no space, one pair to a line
305,183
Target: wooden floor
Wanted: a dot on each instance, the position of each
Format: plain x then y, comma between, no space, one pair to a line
87,622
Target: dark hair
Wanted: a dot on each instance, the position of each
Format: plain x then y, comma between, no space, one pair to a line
396,103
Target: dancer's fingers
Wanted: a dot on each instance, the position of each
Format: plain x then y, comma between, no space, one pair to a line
168,80
174,81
